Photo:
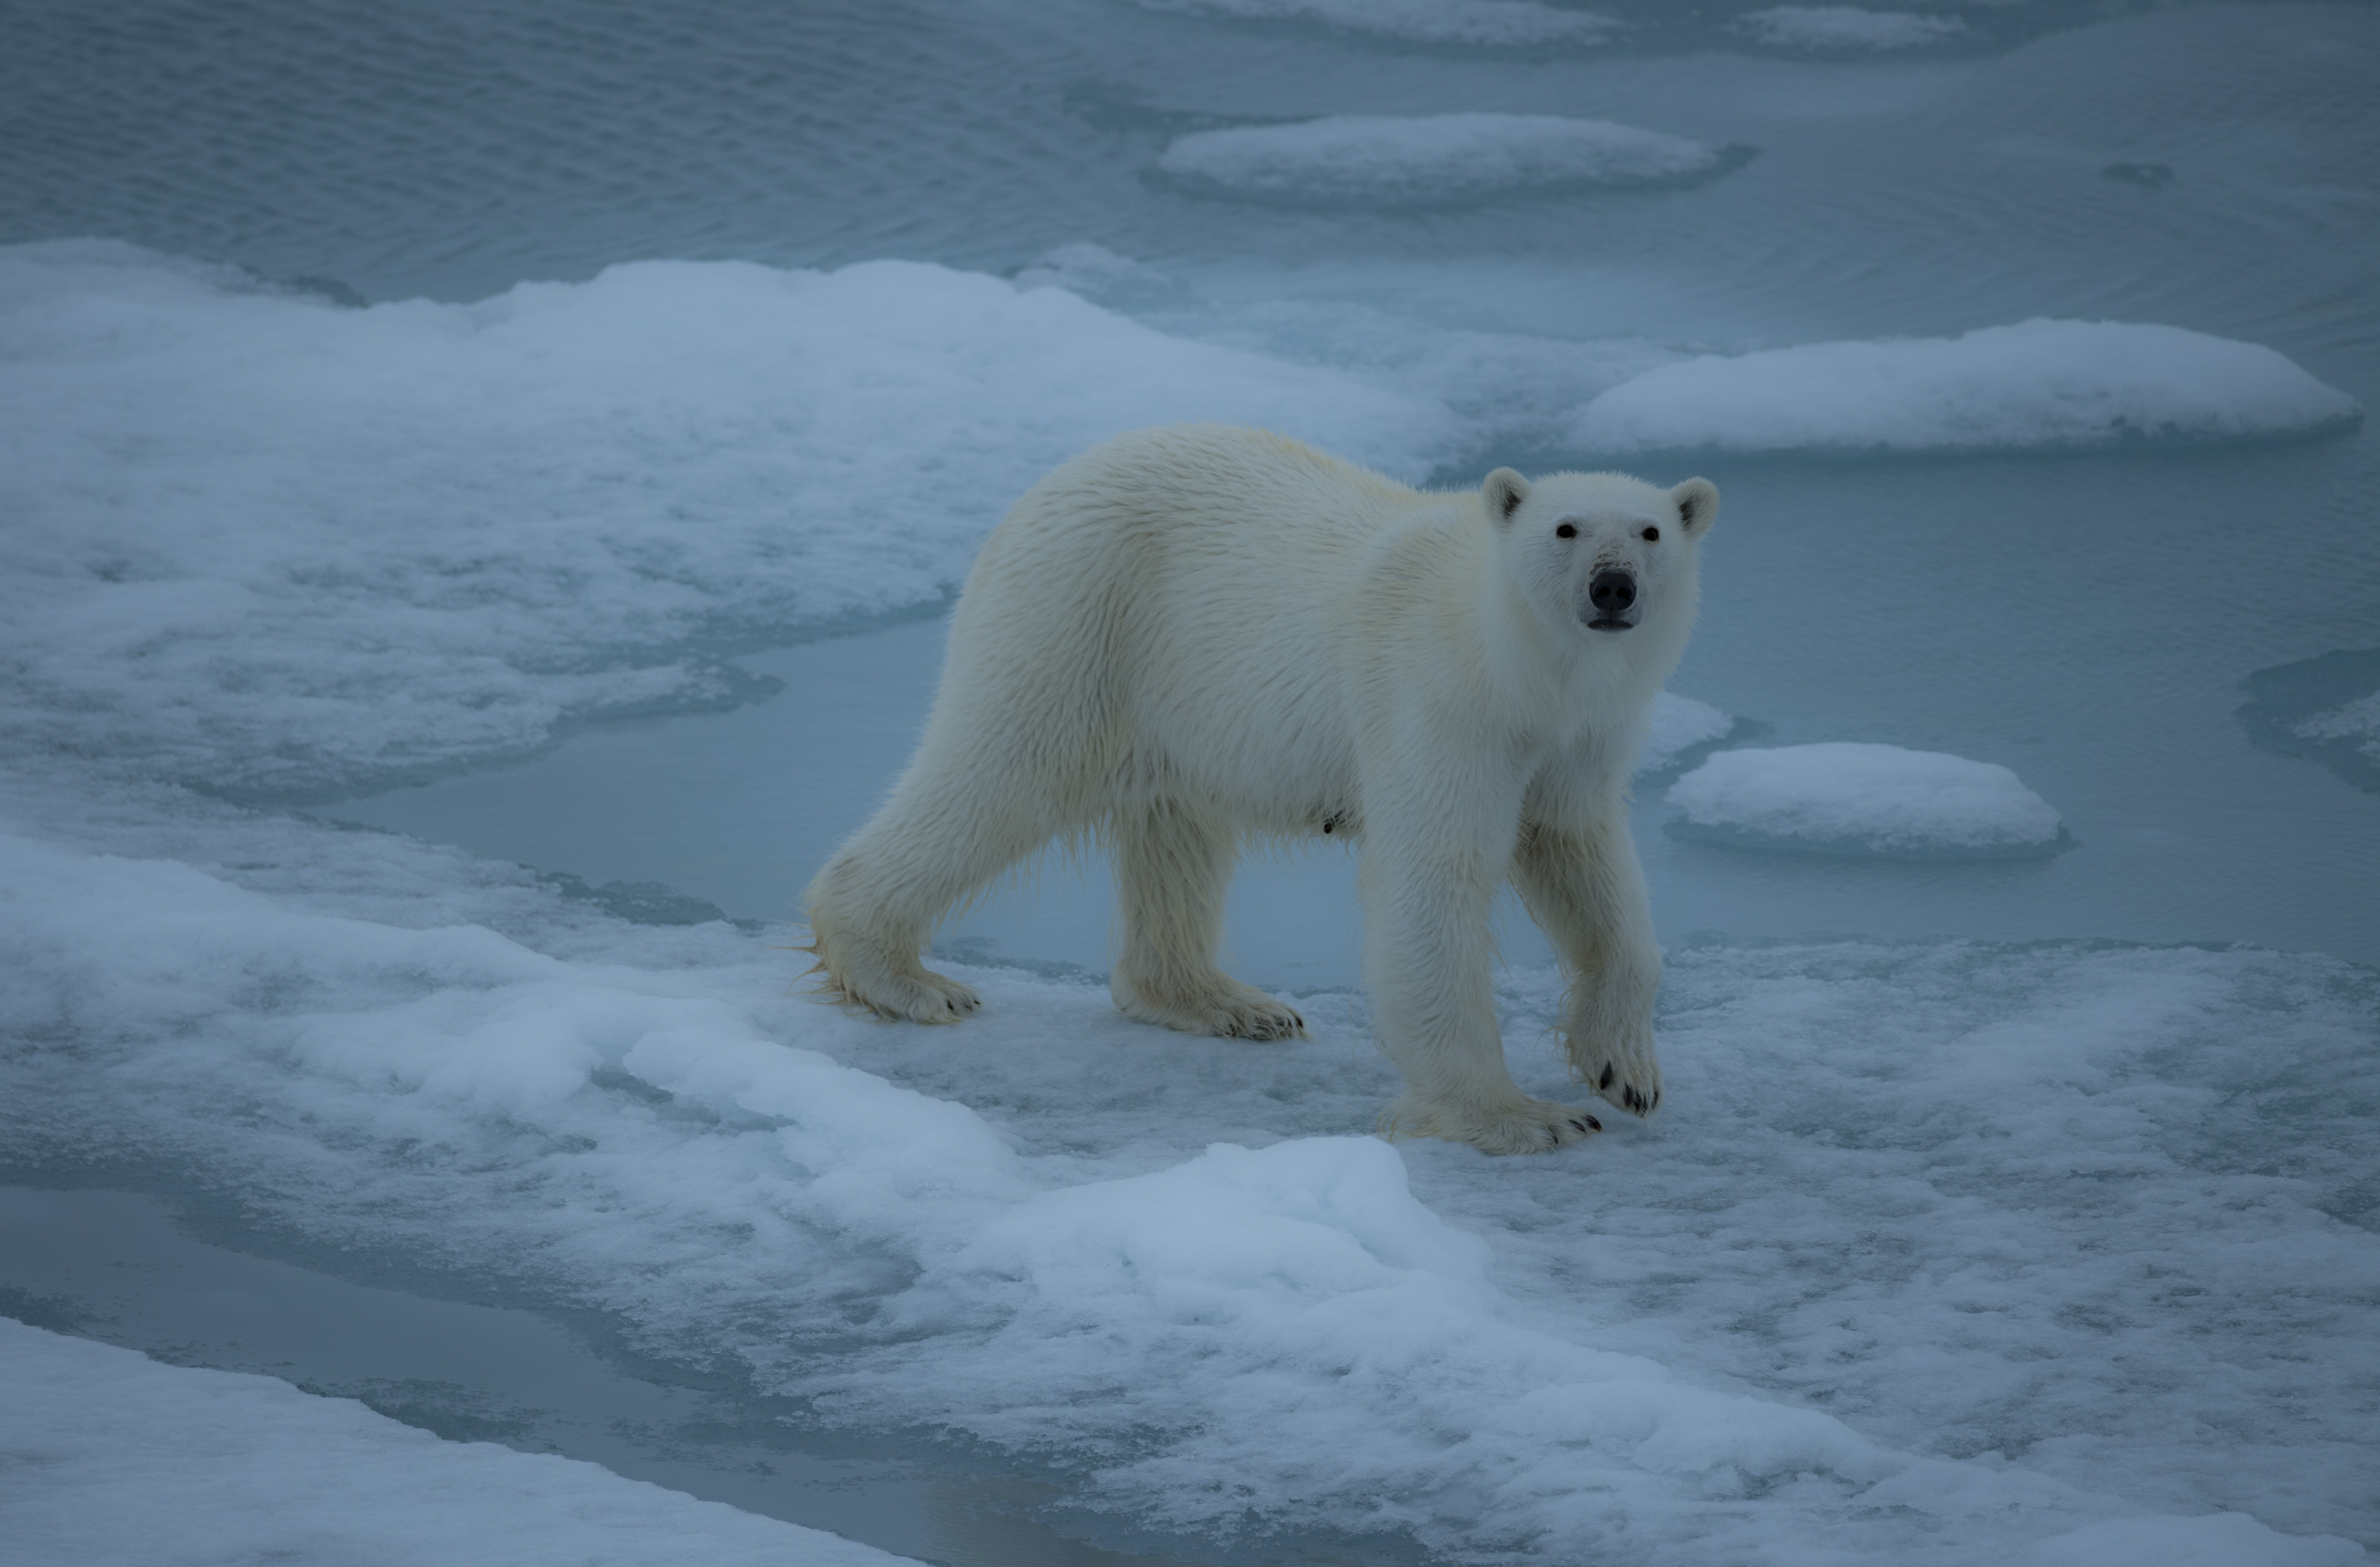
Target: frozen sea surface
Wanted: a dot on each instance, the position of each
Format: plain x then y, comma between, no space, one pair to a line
1998,1213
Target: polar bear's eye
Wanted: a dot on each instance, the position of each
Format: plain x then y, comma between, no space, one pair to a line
1565,531
1652,536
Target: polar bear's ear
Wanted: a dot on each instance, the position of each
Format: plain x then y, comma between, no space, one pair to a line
1503,493
1697,502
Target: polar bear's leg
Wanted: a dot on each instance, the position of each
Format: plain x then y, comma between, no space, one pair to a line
956,820
1587,891
1427,959
1174,864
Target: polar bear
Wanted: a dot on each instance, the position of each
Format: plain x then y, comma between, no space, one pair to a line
1195,635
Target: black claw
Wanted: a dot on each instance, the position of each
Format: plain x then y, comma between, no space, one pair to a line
1607,1079
1593,1124
1578,1125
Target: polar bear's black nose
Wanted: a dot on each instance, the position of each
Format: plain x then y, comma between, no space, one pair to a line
1611,591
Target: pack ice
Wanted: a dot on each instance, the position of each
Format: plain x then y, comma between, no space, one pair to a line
1944,1252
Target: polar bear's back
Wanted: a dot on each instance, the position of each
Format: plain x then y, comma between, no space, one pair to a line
1188,501
1175,593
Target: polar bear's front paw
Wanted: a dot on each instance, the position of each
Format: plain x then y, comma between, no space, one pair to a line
1224,1008
1523,1126
1627,1075
919,996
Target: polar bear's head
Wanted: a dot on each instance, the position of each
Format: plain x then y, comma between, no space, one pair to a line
1601,550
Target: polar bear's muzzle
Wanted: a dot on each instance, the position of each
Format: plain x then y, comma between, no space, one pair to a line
1610,600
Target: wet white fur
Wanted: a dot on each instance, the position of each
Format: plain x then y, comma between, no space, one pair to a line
1192,635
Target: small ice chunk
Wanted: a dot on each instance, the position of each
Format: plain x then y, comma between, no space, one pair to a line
1678,725
2325,708
1846,27
2358,723
2039,383
1495,23
1428,160
1846,798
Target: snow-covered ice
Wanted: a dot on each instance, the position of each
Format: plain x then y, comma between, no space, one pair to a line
1933,1204
2036,384
113,1460
1846,27
1492,23
1428,160
1848,798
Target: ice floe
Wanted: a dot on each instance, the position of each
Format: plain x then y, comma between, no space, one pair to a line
1492,23
117,1461
1428,160
1846,27
1848,798
2039,383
